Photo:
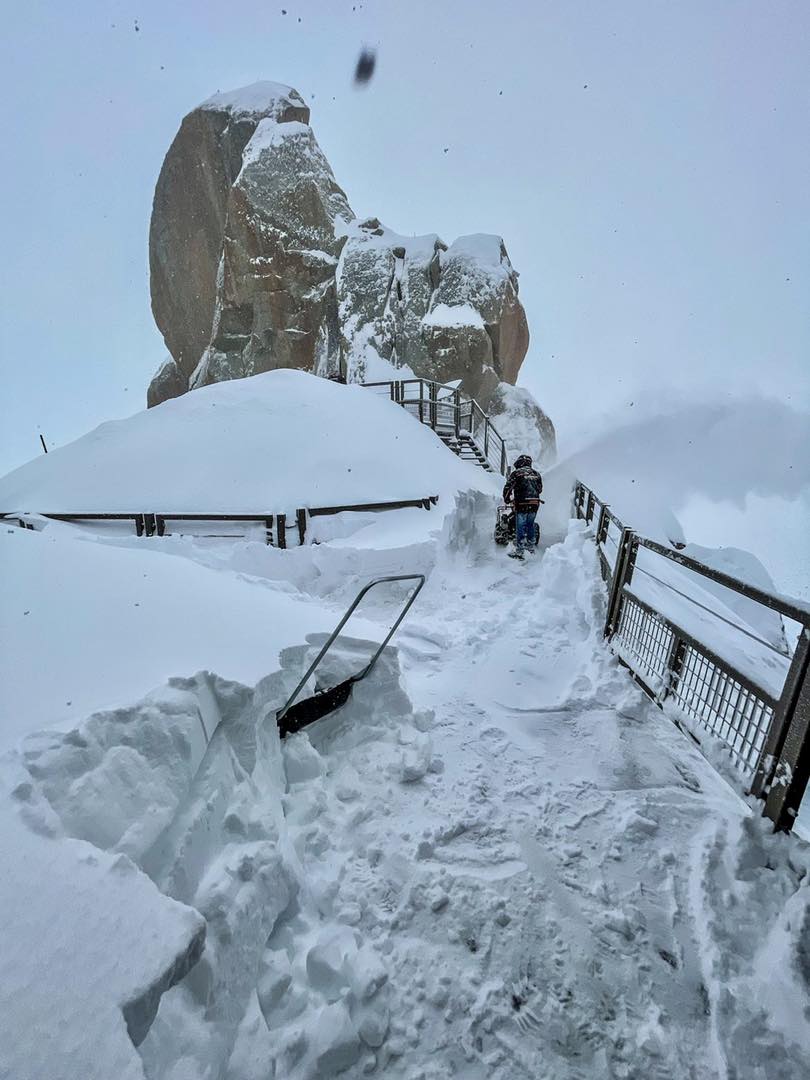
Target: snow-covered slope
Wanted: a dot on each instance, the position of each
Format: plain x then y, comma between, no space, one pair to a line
268,444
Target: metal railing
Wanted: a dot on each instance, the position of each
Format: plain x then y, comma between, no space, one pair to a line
761,715
452,415
275,526
293,716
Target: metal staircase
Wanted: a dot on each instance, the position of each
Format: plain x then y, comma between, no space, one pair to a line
458,420
466,448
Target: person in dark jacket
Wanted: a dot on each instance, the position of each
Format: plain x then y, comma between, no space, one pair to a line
523,488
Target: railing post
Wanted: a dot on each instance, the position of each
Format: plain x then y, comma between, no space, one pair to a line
301,521
392,389
622,575
783,769
577,503
589,508
486,438
433,410
281,530
268,530
602,525
793,769
503,458
677,651
421,399
457,411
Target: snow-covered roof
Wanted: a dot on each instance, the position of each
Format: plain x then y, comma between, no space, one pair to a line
258,99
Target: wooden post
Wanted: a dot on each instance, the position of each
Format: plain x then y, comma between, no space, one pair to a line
589,507
457,410
268,530
281,530
301,521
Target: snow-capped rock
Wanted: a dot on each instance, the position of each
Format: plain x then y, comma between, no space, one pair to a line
189,212
258,263
523,425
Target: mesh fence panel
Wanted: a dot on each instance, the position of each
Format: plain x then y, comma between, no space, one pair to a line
717,701
645,641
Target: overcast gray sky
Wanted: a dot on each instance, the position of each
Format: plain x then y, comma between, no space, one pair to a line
648,164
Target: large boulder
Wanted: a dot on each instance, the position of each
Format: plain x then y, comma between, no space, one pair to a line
476,327
231,216
385,284
523,425
258,263
450,314
276,303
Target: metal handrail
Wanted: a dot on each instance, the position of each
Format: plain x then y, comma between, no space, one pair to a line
282,712
769,736
469,416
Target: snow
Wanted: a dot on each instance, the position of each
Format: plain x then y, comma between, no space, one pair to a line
270,134
453,315
256,99
480,247
217,449
86,626
499,860
84,935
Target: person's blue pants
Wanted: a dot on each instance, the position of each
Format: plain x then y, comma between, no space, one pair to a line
524,529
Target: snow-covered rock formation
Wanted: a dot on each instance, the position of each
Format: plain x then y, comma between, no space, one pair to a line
257,262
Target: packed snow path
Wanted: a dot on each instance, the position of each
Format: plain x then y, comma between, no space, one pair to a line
525,871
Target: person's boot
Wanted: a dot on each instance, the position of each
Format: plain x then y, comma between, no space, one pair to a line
516,554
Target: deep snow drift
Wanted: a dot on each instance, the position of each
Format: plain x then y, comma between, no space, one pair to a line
268,444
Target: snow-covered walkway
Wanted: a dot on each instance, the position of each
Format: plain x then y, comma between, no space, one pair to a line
526,871
497,862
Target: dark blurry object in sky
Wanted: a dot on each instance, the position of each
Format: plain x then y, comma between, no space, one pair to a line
365,67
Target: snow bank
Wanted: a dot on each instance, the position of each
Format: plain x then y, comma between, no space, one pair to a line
86,626
87,944
268,444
